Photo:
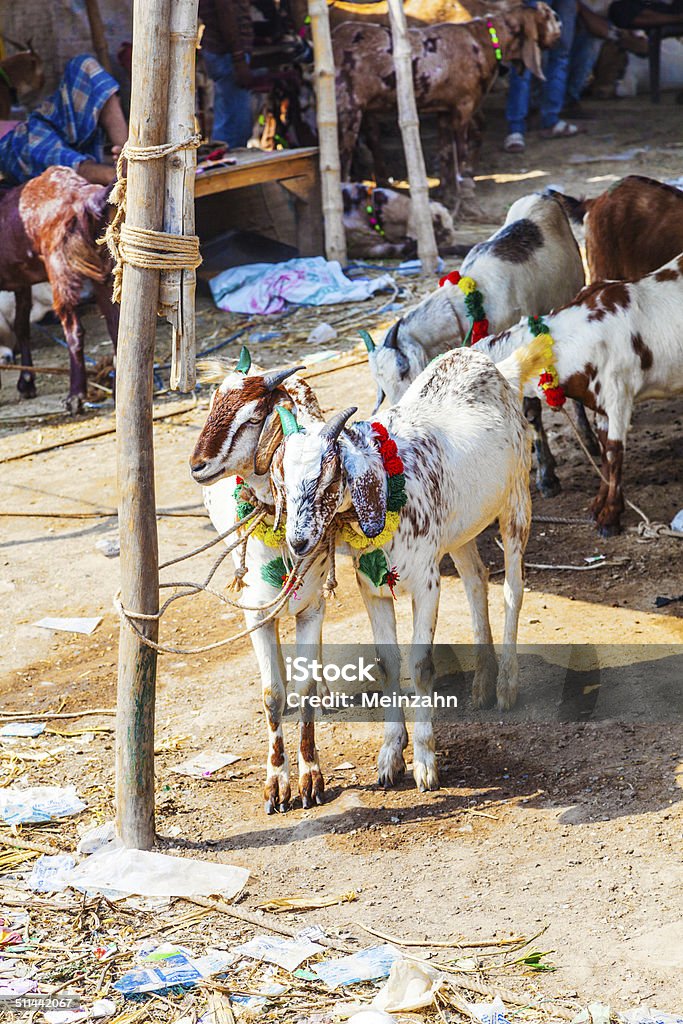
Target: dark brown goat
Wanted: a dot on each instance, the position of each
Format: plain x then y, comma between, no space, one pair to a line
21,75
454,66
49,228
633,228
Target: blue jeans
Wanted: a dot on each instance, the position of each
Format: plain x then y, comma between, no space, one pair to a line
231,105
585,52
555,69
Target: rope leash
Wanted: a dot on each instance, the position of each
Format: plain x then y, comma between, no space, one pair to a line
646,528
142,247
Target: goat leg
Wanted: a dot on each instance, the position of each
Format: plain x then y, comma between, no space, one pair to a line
74,334
585,429
546,478
110,312
26,385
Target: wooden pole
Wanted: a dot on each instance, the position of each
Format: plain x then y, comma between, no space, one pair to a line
178,286
328,141
99,39
134,437
412,146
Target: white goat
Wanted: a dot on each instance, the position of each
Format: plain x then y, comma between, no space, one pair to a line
618,343
41,303
240,435
463,442
531,264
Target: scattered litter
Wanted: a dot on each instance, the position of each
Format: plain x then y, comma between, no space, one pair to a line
597,1013
411,986
490,1013
203,766
415,267
372,1017
346,766
38,804
321,334
86,626
662,602
368,965
270,287
50,873
8,937
298,903
117,869
626,154
257,336
677,522
27,729
96,838
644,1015
110,548
287,953
169,965
321,357
10,988
594,559
253,1004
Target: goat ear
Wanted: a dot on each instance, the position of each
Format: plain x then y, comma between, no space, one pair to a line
270,440
531,51
367,483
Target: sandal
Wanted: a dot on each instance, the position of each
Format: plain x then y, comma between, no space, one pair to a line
560,130
514,143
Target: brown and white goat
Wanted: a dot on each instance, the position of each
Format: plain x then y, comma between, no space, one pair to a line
633,228
21,76
454,66
617,343
241,434
49,228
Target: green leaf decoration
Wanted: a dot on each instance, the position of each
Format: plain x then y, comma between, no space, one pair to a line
374,565
396,492
537,326
243,509
273,572
288,421
369,343
244,363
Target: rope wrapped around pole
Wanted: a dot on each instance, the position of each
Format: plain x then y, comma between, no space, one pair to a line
140,247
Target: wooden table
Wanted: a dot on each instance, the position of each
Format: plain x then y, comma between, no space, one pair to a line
296,170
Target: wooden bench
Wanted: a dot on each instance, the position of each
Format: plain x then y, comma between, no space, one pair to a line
296,170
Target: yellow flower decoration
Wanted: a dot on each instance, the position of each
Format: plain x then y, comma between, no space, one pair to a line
359,540
270,537
467,285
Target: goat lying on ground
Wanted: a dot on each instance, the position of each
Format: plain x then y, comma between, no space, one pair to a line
379,223
633,228
460,415
618,343
21,76
48,228
454,66
240,435
532,262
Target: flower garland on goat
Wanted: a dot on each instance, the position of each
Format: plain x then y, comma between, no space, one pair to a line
374,563
549,381
474,305
373,212
275,572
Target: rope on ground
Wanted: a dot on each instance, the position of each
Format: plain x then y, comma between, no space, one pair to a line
141,247
646,528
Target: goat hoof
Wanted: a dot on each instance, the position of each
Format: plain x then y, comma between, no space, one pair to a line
276,795
306,801
609,529
74,404
283,808
26,386
311,788
549,487
390,768
426,776
269,807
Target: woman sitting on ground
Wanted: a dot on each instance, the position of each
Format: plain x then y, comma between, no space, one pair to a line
69,128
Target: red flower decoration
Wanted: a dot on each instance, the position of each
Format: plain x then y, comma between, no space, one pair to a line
545,378
451,278
480,329
381,432
555,397
392,579
393,466
388,450
239,481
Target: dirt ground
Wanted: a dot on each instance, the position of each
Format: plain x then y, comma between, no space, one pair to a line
571,827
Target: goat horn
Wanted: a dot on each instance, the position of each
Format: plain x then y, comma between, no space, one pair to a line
334,426
367,338
288,421
244,364
391,339
273,380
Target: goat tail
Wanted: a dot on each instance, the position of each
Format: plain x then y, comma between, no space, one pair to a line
576,209
526,362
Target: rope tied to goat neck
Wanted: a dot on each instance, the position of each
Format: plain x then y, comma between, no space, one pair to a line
142,247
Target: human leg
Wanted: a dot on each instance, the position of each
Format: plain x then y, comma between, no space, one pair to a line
231,105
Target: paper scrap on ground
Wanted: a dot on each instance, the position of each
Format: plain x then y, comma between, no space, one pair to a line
38,804
286,953
204,765
644,1015
411,986
50,873
368,965
270,287
10,988
171,965
71,625
490,1013
28,729
140,872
